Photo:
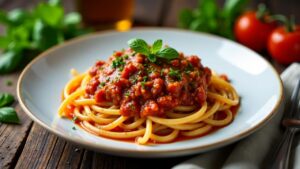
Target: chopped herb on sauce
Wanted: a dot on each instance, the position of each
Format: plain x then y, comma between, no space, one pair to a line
102,84
145,78
118,62
175,74
143,84
132,107
127,94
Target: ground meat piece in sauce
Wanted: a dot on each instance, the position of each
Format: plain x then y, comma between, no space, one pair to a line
139,87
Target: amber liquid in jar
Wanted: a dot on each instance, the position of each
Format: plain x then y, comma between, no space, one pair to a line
107,14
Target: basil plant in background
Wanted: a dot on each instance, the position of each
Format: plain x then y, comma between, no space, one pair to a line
30,32
211,18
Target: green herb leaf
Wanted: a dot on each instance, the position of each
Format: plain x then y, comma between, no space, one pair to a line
3,17
168,53
9,61
6,99
209,17
8,115
50,14
185,18
139,46
145,78
232,8
152,58
118,62
72,19
45,36
143,84
157,45
4,42
102,84
29,32
17,16
175,74
54,2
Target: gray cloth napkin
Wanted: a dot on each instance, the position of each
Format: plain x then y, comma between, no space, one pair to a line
254,151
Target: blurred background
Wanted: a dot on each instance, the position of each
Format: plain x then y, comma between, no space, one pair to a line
163,12
29,27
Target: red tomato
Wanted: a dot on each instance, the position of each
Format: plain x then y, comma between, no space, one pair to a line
252,32
285,46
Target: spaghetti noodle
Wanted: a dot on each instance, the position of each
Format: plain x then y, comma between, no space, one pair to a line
149,102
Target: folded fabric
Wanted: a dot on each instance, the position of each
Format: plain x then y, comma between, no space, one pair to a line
253,152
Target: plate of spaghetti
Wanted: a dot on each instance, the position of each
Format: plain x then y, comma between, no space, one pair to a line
150,92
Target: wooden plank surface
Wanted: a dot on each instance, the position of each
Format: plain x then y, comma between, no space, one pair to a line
30,146
12,137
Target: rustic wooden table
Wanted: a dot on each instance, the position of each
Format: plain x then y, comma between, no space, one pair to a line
28,145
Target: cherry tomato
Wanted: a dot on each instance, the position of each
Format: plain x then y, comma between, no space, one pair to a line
252,32
284,46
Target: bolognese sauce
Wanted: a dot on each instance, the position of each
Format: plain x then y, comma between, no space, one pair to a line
140,87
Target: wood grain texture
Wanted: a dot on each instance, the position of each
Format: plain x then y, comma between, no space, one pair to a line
12,136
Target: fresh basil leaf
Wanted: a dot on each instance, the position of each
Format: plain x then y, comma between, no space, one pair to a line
152,58
4,42
17,16
208,8
8,115
50,14
168,53
9,61
199,25
54,2
185,18
232,8
139,45
157,45
6,99
19,34
72,19
29,32
45,36
3,17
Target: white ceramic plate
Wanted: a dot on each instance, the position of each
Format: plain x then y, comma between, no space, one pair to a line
41,83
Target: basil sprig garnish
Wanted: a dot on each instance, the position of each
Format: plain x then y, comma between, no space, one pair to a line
7,114
153,52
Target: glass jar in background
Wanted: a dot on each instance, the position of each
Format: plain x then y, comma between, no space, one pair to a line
107,14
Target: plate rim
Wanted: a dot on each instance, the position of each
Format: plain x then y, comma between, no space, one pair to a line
135,152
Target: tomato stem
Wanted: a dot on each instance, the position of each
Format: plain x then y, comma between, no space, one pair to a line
288,23
261,12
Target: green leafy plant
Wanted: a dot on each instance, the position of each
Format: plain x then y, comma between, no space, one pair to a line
30,32
209,17
153,52
6,99
7,114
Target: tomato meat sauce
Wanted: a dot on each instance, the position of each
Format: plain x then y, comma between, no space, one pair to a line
139,87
